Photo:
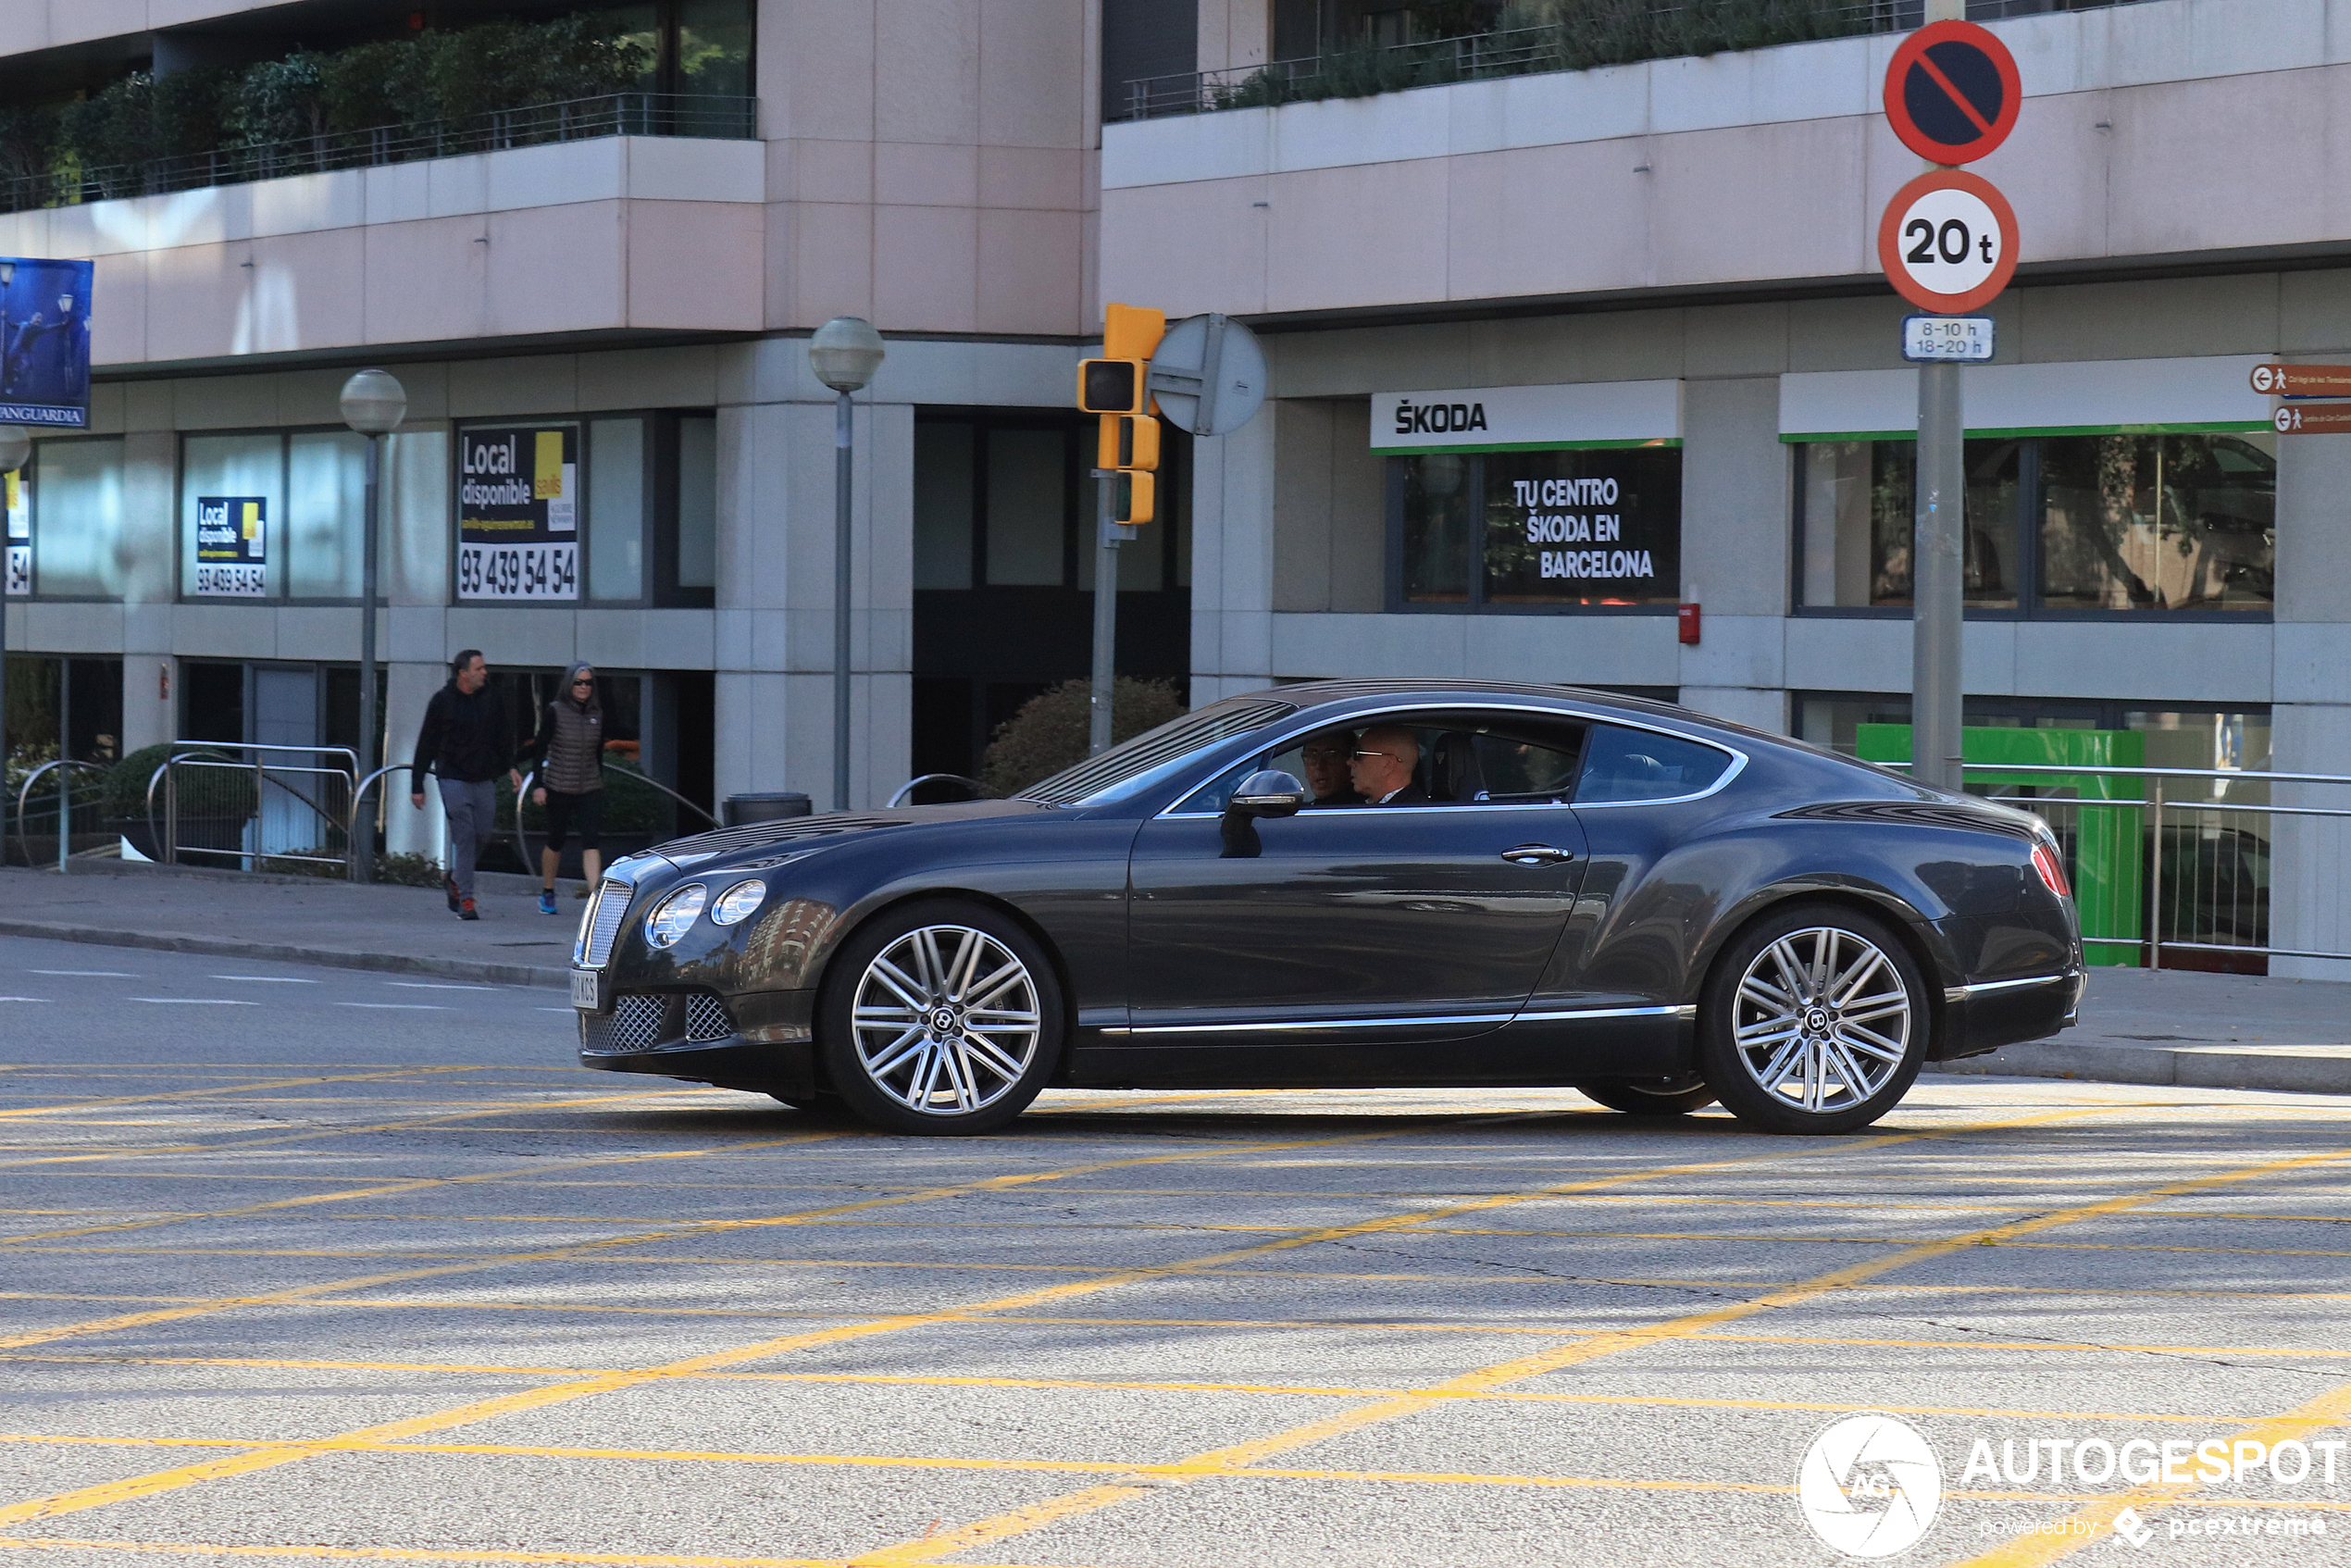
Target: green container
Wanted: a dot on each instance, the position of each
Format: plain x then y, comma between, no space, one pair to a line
2106,858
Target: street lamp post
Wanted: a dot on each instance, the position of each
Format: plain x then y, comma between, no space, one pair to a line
373,403
844,354
16,451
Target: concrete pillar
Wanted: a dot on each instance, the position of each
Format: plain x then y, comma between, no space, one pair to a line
775,620
1735,550
150,555
2309,897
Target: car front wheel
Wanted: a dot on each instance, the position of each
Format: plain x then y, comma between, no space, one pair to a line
941,1019
1814,1020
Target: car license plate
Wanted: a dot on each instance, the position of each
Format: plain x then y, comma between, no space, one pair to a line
583,988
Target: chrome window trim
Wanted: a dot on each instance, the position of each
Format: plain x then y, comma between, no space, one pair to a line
1289,1027
1960,994
1738,762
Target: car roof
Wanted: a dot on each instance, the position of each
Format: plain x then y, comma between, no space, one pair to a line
1325,693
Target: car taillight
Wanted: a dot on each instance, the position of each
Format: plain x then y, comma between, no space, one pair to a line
2045,861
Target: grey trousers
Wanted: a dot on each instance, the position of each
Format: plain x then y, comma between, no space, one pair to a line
472,809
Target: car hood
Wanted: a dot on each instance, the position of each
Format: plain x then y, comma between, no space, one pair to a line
800,835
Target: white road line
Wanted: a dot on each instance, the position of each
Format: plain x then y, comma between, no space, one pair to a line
266,979
439,986
535,1009
198,1001
44,999
398,1006
88,973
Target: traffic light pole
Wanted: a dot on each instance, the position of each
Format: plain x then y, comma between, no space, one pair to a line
1938,581
1106,535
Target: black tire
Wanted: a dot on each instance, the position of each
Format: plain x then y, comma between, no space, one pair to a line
1635,1100
978,1048
1813,1020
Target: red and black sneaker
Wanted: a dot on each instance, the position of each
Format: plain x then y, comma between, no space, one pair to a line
449,886
469,911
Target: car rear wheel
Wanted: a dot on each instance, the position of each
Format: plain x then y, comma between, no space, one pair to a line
941,1019
1814,1020
1633,1100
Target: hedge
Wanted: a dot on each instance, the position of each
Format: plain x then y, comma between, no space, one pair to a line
1050,731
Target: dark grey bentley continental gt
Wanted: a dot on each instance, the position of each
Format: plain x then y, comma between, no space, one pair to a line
1568,888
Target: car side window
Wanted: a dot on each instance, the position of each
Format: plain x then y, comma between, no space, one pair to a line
1640,765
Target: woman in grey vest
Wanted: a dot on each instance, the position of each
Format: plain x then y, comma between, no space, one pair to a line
569,749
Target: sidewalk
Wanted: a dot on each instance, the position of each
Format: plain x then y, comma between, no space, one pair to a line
2205,1031
300,919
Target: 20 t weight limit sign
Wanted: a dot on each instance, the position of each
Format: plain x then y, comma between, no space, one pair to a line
1948,241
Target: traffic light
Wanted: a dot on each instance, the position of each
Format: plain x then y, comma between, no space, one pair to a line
1127,441
1116,383
1138,494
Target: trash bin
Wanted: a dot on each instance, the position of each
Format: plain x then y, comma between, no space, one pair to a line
772,806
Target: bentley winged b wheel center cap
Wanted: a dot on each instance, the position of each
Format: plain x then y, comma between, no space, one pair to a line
946,1020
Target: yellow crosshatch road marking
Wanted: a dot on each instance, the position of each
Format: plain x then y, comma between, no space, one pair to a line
234,1089
158,1150
418,1554
133,1488
414,1184
1178,1471
2096,1515
308,1292
1239,1457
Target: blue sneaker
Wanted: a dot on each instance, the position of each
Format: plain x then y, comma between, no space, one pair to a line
547,902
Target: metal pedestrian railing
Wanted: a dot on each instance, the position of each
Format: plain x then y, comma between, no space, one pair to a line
2177,867
1621,33
612,114
61,804
255,805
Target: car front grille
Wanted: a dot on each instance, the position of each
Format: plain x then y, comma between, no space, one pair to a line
643,1021
706,1017
602,924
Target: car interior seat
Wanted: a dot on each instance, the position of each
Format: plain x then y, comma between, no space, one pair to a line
1455,772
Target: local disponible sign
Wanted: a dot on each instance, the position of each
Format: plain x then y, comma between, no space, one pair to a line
232,546
518,513
17,568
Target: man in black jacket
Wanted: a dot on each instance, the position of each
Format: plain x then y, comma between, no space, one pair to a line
1385,758
467,742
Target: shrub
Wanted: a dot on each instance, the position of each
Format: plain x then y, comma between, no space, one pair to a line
29,141
1049,731
125,795
277,101
373,85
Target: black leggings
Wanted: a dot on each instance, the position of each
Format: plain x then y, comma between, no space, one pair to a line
585,812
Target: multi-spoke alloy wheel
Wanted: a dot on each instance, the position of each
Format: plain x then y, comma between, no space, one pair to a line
951,1023
1821,1020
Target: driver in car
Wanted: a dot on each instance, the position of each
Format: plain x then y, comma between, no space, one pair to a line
1325,758
1385,760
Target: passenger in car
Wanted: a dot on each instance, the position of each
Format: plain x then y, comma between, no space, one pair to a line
1385,759
1325,757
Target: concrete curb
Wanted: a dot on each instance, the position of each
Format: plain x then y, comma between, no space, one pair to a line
2297,1069
287,953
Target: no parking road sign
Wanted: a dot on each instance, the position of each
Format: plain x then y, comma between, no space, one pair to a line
1948,241
1952,92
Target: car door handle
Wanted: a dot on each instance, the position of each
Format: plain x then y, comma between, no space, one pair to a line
1538,855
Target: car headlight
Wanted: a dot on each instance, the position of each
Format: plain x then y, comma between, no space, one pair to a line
675,915
738,902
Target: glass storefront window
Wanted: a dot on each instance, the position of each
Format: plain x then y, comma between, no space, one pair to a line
1860,499
77,520
1554,529
1027,506
233,517
617,509
698,501
326,514
2160,522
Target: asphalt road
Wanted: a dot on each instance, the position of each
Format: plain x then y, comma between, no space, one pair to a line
319,1266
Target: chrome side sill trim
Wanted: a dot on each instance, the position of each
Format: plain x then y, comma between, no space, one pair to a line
1685,1011
1688,1010
1960,994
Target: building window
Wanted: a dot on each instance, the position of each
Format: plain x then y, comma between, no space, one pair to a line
2158,522
76,519
272,515
1555,529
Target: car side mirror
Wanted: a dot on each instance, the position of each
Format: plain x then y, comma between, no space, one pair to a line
1269,793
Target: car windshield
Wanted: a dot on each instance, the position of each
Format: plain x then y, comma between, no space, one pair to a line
1136,765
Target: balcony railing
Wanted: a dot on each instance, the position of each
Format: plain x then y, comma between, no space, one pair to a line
1661,29
615,113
